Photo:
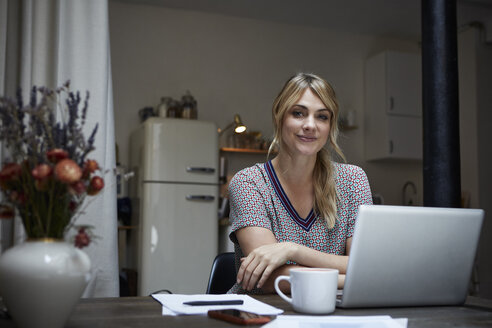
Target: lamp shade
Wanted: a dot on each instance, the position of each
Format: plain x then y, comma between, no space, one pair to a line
238,125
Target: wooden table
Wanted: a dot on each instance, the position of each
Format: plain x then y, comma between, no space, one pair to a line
146,312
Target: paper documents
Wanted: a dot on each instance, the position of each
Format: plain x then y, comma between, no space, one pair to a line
333,321
172,304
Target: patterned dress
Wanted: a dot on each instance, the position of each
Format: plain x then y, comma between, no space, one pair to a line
258,199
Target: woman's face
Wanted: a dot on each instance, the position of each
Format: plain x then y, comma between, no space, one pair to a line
306,125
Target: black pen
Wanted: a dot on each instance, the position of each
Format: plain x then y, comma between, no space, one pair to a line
204,303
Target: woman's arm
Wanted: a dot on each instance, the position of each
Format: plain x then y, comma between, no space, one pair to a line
265,258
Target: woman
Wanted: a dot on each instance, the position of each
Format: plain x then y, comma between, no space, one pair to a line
299,208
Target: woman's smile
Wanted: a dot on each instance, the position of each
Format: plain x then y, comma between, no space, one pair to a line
306,138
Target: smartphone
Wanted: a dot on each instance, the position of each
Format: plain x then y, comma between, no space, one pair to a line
240,317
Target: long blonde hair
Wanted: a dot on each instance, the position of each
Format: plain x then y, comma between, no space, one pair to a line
325,196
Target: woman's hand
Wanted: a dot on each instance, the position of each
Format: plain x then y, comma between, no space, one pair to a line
264,254
257,267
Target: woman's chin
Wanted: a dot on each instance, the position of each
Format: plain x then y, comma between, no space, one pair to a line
306,151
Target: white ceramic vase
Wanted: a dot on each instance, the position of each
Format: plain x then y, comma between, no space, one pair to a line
41,281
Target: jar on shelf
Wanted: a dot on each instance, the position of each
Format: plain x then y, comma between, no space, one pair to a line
189,106
163,106
174,109
145,113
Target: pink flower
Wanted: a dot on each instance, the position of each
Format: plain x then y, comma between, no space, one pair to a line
96,184
90,166
56,155
82,239
10,172
68,171
41,171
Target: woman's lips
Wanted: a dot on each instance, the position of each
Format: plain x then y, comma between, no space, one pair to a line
306,138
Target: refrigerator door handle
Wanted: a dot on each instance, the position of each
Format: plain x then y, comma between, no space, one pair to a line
193,169
205,198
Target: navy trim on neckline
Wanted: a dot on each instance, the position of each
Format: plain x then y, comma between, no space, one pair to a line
306,223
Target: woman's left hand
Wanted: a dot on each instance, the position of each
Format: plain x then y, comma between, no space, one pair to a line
257,267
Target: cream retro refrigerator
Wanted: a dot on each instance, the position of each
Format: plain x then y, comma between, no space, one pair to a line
175,200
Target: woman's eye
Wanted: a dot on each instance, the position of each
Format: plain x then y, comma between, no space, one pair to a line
297,113
323,117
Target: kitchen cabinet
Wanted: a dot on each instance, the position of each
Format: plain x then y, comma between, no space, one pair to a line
393,106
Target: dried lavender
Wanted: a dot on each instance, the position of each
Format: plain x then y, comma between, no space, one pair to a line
34,136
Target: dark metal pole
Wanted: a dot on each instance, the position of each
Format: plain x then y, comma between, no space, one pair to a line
442,183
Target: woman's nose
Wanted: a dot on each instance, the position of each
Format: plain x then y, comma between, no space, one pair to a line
308,123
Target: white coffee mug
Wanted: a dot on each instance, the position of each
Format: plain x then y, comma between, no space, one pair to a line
313,290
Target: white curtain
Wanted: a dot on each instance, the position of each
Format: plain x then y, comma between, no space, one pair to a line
5,226
47,43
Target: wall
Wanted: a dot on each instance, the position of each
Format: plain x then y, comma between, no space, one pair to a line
234,65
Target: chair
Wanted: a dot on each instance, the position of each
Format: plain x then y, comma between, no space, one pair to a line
223,274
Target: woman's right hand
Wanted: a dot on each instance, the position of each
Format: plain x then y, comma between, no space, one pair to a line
263,254
259,264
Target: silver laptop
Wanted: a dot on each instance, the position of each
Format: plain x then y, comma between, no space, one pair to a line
411,256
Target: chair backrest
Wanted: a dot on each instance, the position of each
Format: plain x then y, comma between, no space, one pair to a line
222,275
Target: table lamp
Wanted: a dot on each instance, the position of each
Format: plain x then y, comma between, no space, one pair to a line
238,125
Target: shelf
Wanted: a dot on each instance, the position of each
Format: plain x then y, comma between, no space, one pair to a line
244,150
348,127
125,227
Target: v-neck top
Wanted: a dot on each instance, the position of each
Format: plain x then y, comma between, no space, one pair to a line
305,223
258,199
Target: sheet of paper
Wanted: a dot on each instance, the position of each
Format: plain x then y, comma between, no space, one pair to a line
333,321
173,304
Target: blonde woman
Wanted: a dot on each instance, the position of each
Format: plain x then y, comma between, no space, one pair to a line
298,209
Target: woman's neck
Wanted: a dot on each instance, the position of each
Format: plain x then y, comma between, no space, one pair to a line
294,169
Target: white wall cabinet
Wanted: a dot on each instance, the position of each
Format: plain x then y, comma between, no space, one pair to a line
393,106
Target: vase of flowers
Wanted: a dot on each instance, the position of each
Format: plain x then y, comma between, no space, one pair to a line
45,182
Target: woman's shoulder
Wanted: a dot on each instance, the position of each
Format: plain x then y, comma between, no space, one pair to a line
251,171
253,174
347,168
348,171
352,184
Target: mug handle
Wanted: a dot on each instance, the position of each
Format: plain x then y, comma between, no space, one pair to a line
277,289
